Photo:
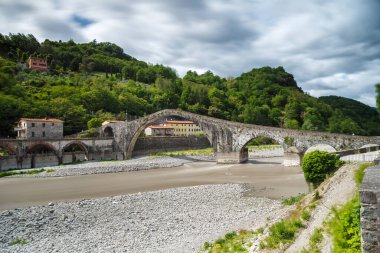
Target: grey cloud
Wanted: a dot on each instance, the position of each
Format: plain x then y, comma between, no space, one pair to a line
13,9
331,47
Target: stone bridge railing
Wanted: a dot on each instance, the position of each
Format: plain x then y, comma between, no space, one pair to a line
369,194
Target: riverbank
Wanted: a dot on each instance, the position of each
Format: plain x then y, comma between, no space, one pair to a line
172,220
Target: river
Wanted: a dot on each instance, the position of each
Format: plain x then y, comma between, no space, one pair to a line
264,177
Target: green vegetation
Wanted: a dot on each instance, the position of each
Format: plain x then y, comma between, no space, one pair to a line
359,173
281,233
3,152
314,242
293,200
317,165
261,140
12,173
238,242
263,147
90,82
204,151
305,214
18,241
344,226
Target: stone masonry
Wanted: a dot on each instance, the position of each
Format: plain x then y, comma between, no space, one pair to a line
370,210
229,138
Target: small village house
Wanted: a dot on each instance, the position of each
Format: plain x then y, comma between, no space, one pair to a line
29,128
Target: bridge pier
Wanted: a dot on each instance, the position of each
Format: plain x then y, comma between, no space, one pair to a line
292,157
232,157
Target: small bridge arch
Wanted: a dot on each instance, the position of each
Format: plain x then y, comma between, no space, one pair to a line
42,154
108,131
74,151
11,150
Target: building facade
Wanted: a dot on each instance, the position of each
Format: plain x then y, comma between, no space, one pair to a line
38,63
159,130
28,128
182,127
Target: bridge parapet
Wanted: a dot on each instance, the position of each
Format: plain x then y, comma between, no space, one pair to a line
369,194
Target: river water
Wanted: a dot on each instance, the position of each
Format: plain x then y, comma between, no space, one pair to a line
264,177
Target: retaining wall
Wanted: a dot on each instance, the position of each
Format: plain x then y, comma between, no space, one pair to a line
148,145
369,194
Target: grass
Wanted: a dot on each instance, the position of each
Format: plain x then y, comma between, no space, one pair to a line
293,200
344,226
18,241
281,233
314,242
238,242
305,214
263,147
204,151
30,172
359,173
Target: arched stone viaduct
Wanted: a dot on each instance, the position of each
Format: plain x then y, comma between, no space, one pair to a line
229,138
32,153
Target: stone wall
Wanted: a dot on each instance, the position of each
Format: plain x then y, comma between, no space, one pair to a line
369,194
148,145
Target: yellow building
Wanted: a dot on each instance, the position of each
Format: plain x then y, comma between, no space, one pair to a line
182,127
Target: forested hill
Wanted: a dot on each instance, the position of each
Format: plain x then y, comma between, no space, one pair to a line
90,82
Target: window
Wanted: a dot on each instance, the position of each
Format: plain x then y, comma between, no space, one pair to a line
33,125
32,134
43,124
43,134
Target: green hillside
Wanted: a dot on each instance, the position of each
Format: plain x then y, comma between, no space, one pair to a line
94,81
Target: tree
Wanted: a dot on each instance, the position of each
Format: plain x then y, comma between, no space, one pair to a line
317,165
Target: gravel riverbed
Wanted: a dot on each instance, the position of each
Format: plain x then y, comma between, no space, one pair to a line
172,220
96,167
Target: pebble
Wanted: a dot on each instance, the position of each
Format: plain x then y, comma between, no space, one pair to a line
172,220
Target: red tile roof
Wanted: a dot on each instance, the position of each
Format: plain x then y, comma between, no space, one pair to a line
160,127
39,120
178,122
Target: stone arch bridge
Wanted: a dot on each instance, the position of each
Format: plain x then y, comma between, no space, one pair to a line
229,139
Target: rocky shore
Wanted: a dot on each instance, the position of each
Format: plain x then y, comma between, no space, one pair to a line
173,220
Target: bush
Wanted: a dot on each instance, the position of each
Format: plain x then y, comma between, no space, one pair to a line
293,200
317,165
282,232
345,227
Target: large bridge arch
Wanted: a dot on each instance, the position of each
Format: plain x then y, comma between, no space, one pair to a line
144,122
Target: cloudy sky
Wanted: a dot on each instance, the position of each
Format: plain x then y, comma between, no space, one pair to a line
331,47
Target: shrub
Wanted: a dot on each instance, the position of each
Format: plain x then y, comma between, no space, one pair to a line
282,232
18,241
317,165
345,227
293,200
305,214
